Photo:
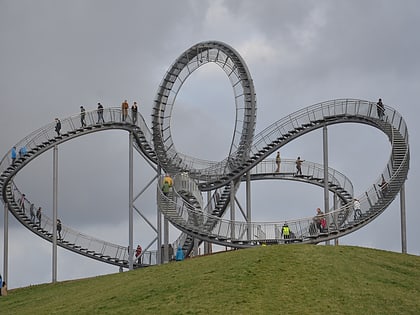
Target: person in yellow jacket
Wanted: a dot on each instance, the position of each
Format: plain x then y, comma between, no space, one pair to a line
285,232
168,179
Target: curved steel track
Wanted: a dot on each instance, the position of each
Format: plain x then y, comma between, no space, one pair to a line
184,206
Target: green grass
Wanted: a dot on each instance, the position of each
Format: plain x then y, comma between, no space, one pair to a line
295,279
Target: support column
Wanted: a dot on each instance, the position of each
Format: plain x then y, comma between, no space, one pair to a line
248,206
159,226
165,240
130,202
55,206
207,245
326,191
336,203
232,210
6,244
403,221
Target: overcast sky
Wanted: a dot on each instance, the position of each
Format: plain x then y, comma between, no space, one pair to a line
58,55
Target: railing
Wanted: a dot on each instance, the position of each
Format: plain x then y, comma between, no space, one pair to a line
373,201
69,235
72,124
311,169
47,134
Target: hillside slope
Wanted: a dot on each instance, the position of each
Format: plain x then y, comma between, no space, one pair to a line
295,279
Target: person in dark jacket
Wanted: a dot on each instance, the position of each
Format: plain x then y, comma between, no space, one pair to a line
57,126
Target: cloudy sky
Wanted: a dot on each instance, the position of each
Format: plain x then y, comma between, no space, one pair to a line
58,55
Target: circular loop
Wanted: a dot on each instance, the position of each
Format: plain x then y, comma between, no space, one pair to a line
245,101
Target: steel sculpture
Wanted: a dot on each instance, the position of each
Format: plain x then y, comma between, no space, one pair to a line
185,206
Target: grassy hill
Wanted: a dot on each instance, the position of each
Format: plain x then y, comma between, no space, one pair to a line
295,279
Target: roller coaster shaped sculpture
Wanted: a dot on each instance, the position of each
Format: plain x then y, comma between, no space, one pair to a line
183,206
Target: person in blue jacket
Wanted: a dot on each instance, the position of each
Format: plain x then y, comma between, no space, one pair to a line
13,155
179,254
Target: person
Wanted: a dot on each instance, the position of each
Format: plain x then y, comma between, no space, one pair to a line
383,185
38,215
319,220
22,151
124,108
100,113
285,233
1,283
57,126
179,254
299,166
168,179
59,228
380,109
278,160
165,188
134,111
4,289
138,253
82,116
22,202
13,155
32,212
357,211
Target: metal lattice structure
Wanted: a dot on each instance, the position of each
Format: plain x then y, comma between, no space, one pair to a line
185,206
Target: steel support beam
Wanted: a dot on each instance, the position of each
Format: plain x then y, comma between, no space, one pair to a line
55,206
6,244
159,226
130,202
326,191
336,203
232,210
403,221
165,240
248,205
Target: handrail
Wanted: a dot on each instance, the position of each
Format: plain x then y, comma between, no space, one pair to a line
42,140
340,221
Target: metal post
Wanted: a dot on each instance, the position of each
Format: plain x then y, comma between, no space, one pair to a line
165,240
326,191
336,203
403,221
55,206
130,202
207,245
232,210
6,244
248,205
159,226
